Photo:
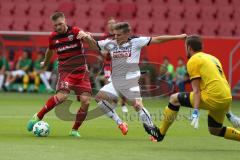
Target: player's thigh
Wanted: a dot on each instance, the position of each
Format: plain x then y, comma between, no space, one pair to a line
219,112
110,91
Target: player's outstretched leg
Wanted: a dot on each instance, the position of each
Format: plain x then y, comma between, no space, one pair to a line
81,114
169,115
51,103
110,112
233,119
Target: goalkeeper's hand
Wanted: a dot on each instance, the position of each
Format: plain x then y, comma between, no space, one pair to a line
195,118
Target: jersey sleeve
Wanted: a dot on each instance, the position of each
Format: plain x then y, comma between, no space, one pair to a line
193,67
103,45
143,41
50,43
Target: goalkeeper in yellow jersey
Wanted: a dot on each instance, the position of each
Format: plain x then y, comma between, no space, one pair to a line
211,92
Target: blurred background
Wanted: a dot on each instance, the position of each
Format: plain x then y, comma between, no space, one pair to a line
25,26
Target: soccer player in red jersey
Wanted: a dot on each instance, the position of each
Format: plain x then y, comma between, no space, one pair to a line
72,68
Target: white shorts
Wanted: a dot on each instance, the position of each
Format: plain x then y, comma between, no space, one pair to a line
127,92
19,73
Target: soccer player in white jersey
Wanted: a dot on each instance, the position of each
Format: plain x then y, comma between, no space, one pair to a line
125,53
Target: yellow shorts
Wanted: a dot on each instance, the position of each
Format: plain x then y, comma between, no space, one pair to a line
217,110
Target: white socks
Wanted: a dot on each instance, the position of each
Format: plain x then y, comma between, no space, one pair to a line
109,111
1,80
145,117
45,81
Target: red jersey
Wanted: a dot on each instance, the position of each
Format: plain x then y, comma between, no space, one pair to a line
70,52
107,66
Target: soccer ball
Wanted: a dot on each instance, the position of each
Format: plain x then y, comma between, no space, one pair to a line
41,129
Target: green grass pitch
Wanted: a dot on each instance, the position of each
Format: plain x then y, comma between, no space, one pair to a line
101,139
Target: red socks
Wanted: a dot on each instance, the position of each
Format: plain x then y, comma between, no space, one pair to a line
51,103
80,117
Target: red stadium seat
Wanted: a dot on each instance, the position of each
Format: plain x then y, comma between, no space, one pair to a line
160,27
208,13
133,24
144,27
237,31
222,3
47,25
227,29
143,12
190,3
36,24
82,11
158,3
21,9
210,28
83,24
70,21
176,27
20,24
6,23
97,26
97,11
225,13
176,13
111,10
236,2
192,13
67,8
82,2
49,8
236,14
193,27
127,10
7,8
174,2
110,1
206,3
142,2
36,10
159,13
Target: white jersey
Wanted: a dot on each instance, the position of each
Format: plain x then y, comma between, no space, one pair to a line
125,57
125,70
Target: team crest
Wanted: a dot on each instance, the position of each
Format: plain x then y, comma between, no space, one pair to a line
70,37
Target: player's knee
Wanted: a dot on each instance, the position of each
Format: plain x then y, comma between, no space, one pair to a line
174,99
137,105
62,97
214,131
85,100
99,97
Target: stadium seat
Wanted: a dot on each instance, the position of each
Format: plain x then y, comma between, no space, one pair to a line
190,3
97,11
192,13
159,13
83,24
49,8
70,21
111,10
20,24
36,24
7,8
176,13
210,28
208,13
144,27
6,23
160,27
143,12
36,10
227,29
193,27
142,2
127,10
235,2
225,13
21,9
174,2
97,26
47,25
111,1
82,11
133,24
206,3
67,8
236,14
237,30
176,27
222,3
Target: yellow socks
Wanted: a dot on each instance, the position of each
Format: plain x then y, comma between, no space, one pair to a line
232,133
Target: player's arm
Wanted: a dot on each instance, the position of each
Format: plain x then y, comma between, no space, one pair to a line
166,38
48,56
196,92
88,38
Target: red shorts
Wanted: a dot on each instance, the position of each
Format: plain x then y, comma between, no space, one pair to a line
79,83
